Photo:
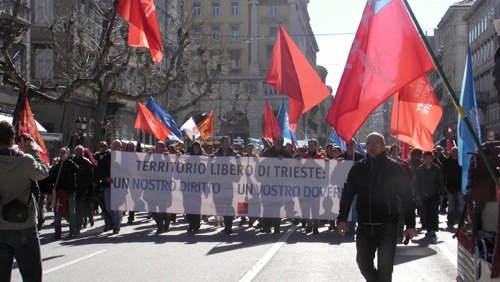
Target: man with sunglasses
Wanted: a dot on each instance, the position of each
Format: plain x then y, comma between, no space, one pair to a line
383,196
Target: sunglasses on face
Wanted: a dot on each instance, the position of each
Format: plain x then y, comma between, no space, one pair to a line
374,144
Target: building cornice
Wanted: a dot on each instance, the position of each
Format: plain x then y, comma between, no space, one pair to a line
450,14
474,7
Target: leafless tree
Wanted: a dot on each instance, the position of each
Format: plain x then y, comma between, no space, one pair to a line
93,59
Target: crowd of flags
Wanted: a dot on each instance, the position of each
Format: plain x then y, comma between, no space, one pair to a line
388,59
153,119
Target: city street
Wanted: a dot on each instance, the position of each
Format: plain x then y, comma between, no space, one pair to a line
138,254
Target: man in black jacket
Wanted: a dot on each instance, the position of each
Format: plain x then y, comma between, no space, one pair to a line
430,185
103,158
84,185
452,173
63,177
382,191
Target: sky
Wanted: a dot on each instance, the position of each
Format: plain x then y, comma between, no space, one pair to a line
334,22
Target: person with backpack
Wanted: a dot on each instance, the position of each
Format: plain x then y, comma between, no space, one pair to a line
18,233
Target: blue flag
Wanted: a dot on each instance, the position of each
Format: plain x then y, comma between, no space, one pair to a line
359,148
294,137
257,143
466,145
284,123
335,138
166,119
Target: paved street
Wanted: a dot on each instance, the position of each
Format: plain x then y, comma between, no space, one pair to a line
137,254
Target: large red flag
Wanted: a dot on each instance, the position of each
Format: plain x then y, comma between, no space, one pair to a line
272,129
387,54
143,28
148,123
27,125
416,114
291,73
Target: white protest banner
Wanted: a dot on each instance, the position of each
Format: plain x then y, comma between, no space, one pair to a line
242,186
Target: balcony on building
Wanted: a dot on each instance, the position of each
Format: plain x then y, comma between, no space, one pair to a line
9,11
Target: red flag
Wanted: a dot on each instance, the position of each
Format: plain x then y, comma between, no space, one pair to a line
291,73
272,128
27,125
143,30
148,123
206,126
387,54
405,151
418,114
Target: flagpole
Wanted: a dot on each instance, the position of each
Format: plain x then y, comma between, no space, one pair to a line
454,98
397,129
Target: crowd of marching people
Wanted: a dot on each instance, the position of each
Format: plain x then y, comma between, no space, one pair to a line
78,186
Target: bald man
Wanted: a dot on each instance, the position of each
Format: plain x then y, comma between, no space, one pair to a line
382,197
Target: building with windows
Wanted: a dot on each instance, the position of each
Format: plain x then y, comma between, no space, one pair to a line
482,39
46,67
13,20
245,30
450,42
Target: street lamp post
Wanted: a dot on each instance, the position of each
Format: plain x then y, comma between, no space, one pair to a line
81,127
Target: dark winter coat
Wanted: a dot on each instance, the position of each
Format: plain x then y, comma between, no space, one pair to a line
84,177
430,181
382,189
66,178
452,173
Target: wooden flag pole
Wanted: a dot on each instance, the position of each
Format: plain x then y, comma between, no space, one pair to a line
452,94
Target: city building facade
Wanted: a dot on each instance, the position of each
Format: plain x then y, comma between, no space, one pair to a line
245,30
45,66
450,44
482,39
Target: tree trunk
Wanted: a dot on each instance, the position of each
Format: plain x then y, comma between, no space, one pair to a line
100,119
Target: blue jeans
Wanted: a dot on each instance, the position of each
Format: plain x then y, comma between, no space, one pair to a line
116,216
380,239
70,215
23,245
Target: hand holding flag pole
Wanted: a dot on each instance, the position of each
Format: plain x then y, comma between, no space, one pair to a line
453,96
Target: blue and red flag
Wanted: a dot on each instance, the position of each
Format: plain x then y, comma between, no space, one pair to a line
165,119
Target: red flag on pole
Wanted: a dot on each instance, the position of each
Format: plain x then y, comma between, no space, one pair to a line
143,28
148,123
27,126
291,73
206,126
272,128
416,113
387,54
